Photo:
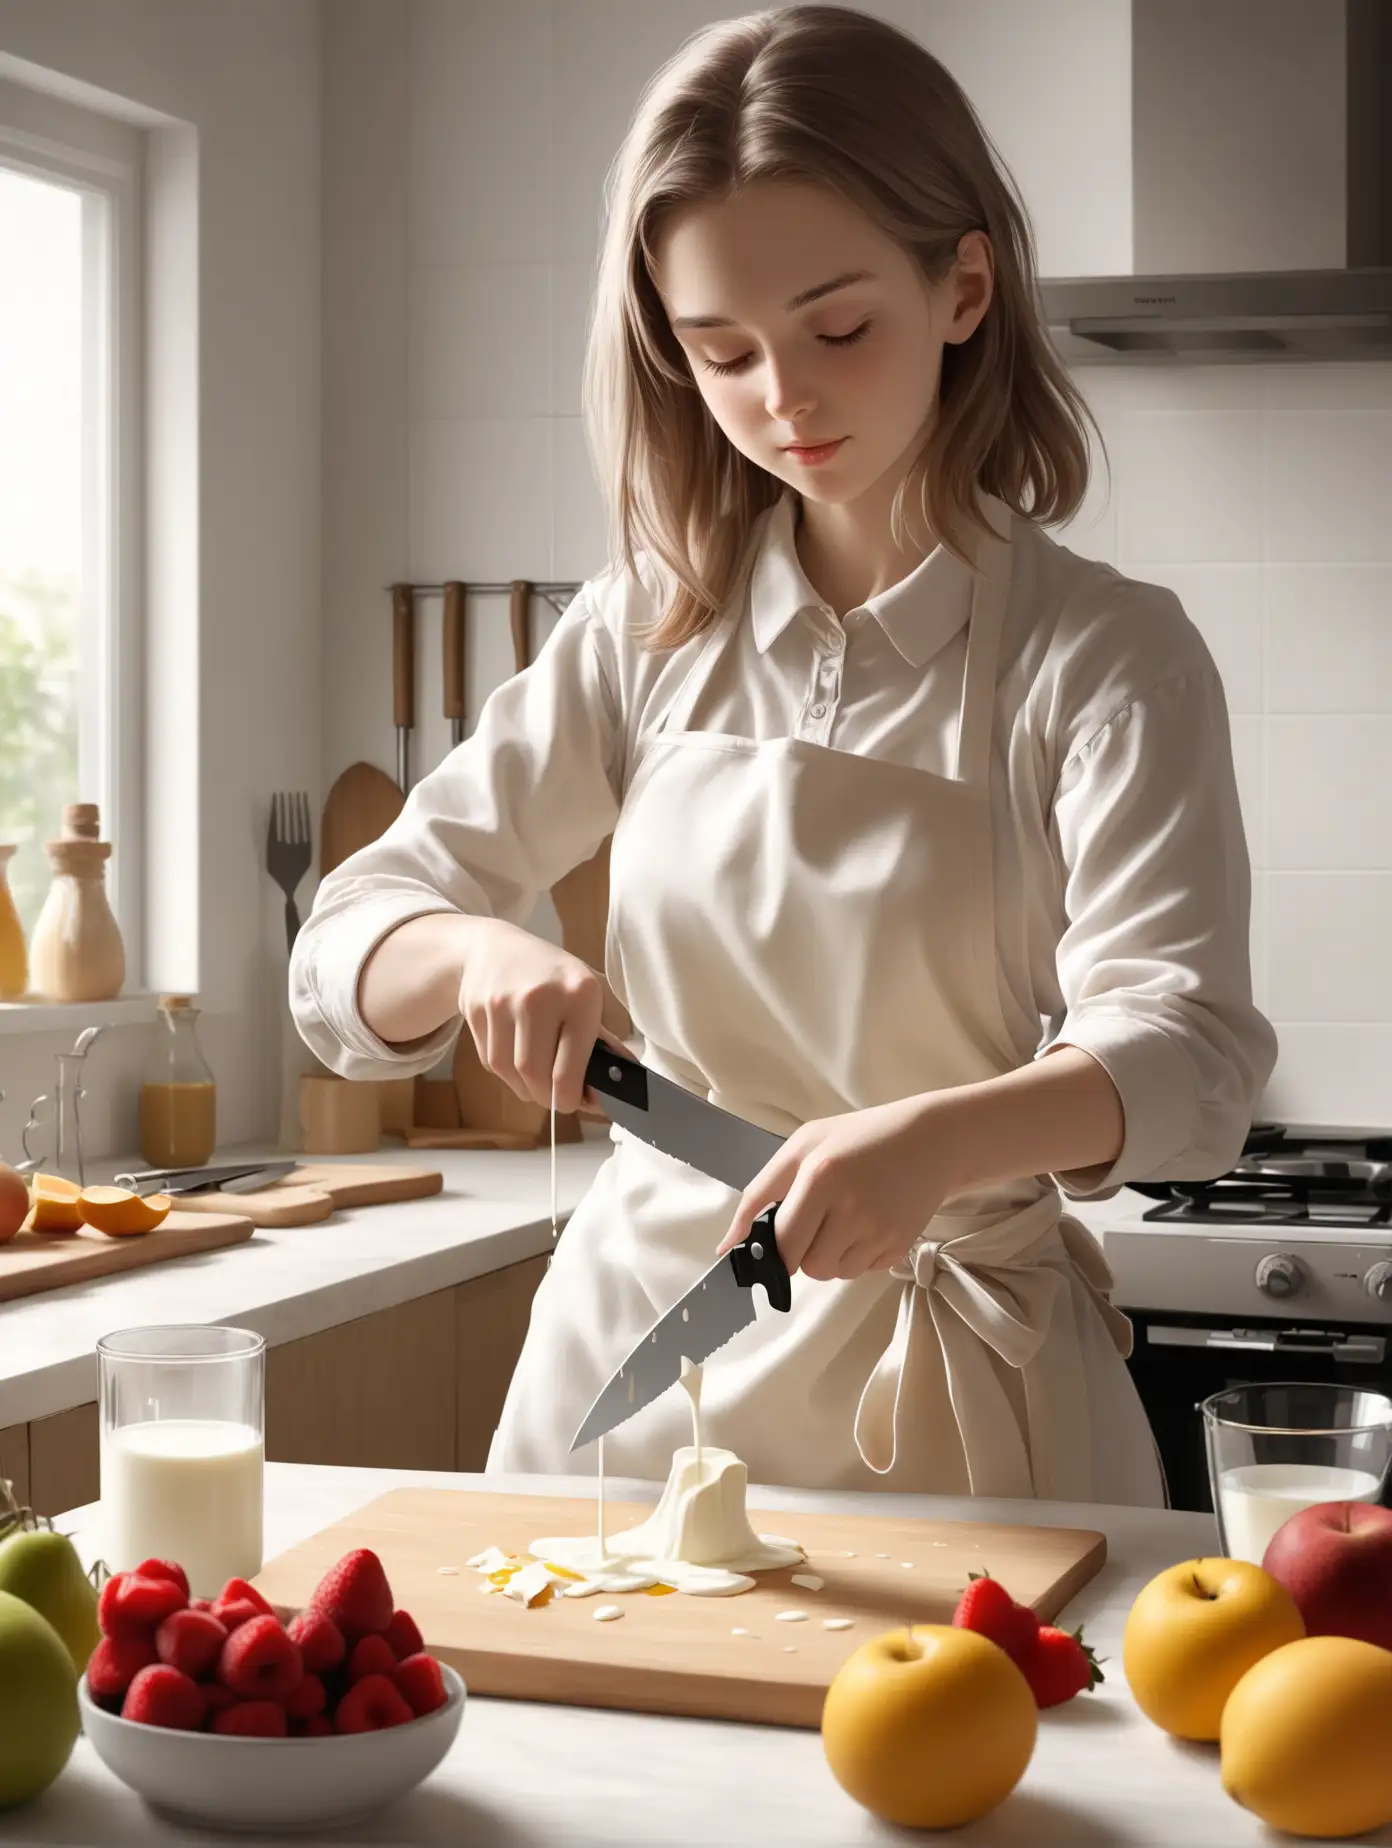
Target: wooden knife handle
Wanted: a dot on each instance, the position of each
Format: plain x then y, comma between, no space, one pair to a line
520,616
454,650
404,655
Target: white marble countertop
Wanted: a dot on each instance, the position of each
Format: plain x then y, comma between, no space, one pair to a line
296,1280
525,1776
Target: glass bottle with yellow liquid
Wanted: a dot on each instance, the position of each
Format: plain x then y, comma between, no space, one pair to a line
14,958
178,1098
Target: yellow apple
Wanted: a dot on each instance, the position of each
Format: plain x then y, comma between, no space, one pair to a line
1305,1735
1192,1634
930,1727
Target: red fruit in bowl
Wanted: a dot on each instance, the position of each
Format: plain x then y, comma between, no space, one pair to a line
317,1726
165,1569
218,1696
371,1655
370,1705
404,1635
191,1641
259,1661
355,1593
1335,1560
237,1603
255,1719
115,1663
161,1696
320,1641
421,1684
130,1602
306,1698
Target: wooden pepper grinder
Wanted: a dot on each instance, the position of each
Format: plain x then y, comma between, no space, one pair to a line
76,953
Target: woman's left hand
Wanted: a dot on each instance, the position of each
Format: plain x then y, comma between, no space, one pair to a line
856,1190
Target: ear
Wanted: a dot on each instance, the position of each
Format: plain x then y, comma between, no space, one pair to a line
971,284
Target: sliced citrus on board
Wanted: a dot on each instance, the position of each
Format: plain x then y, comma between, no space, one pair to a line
55,1204
121,1213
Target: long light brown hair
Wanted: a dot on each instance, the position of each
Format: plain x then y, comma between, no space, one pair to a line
748,99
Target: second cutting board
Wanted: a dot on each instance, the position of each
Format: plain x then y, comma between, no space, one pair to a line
308,1194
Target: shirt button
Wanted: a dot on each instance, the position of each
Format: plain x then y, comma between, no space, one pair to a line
819,710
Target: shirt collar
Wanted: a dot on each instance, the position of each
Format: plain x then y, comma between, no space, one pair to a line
920,614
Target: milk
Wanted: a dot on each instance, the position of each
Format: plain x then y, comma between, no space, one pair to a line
184,1489
1257,1498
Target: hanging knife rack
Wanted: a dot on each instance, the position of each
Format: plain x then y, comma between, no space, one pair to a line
551,592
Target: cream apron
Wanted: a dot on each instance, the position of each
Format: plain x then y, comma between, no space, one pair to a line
798,932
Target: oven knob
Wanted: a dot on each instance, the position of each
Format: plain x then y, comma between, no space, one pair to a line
1279,1275
1378,1282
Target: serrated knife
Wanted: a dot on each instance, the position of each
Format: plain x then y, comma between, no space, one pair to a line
721,1303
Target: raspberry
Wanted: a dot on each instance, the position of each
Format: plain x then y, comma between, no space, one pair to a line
191,1641
237,1603
355,1593
320,1640
257,1719
165,1569
370,1705
404,1635
217,1697
259,1661
306,1698
200,1604
161,1696
130,1602
421,1684
317,1726
115,1663
371,1655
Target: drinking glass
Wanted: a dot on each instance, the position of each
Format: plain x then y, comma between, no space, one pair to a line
1278,1447
183,1450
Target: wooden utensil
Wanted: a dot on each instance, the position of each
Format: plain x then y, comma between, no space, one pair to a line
312,1193
35,1261
676,1654
404,677
364,801
452,626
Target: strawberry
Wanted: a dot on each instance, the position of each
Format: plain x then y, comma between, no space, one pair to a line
371,1655
161,1696
988,1608
191,1641
200,1604
370,1705
1063,1665
308,1697
355,1593
237,1603
256,1719
419,1679
115,1663
259,1661
165,1569
320,1641
317,1726
129,1602
404,1635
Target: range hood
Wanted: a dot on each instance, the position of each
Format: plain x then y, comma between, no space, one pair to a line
1261,192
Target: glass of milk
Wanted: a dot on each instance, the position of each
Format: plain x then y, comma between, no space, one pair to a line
1276,1448
183,1450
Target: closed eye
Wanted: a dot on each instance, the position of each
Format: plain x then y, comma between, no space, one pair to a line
724,367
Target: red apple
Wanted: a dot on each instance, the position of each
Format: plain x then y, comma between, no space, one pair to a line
14,1202
1335,1560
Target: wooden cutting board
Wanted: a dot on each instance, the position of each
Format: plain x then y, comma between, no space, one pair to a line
674,1653
310,1194
34,1261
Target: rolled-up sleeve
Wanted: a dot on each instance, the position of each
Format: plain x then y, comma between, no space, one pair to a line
1154,964
530,794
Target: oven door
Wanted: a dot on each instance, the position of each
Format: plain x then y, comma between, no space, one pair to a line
1178,1361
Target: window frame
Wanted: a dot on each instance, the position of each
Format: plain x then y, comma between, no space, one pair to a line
104,160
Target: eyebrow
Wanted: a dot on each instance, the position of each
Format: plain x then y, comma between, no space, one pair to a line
798,301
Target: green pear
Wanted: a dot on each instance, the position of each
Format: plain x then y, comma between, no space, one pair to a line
43,1568
38,1702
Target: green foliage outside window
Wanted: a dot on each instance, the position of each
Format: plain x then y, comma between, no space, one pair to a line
38,725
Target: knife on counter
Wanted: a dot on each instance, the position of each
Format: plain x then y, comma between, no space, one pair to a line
721,1303
229,1177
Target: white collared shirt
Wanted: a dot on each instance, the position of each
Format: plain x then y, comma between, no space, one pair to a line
1121,867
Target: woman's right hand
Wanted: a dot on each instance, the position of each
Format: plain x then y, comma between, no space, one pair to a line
533,1011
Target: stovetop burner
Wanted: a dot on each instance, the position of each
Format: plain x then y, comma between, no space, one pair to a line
1288,1176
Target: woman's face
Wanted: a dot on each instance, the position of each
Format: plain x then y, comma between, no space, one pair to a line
783,360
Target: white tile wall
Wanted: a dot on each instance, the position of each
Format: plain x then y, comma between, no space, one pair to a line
1261,495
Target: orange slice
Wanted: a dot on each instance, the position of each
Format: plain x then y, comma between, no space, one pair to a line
55,1206
121,1213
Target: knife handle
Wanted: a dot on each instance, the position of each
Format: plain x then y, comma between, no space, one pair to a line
757,1259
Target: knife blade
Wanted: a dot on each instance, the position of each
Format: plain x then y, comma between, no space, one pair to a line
229,1177
713,1311
680,1124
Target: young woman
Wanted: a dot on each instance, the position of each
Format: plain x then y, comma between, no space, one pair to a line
926,844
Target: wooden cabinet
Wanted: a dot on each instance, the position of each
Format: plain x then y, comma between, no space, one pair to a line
418,1386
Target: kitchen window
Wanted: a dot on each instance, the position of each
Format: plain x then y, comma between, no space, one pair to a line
71,498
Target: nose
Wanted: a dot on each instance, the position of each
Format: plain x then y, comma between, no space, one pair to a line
788,398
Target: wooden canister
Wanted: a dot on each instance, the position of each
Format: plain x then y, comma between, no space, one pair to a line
338,1116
